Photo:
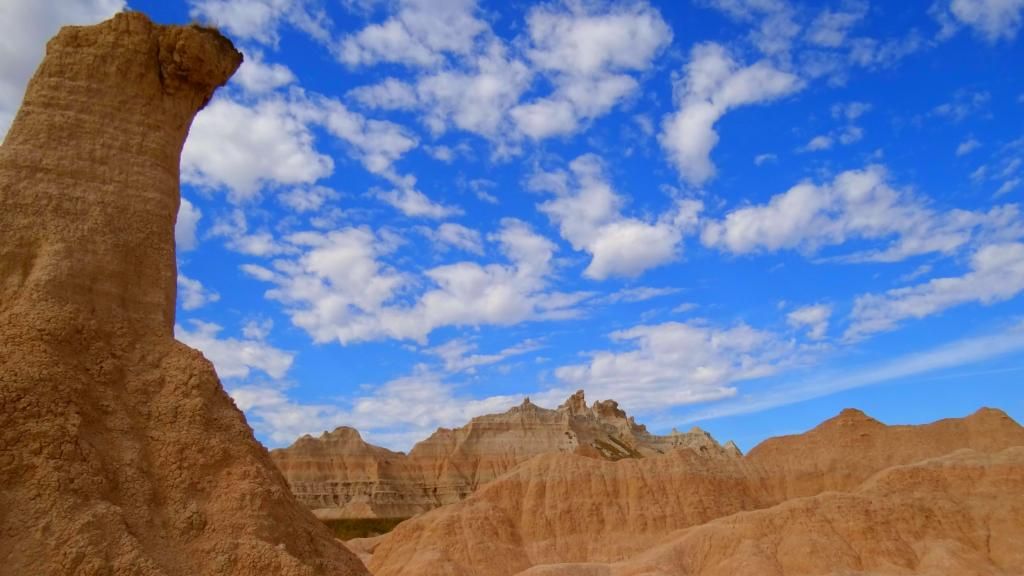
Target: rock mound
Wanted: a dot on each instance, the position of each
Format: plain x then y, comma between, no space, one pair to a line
608,518
340,476
120,452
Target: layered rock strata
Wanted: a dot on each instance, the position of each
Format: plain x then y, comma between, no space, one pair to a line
120,452
339,475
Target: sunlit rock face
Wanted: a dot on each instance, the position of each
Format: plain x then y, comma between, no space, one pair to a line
120,452
339,475
852,496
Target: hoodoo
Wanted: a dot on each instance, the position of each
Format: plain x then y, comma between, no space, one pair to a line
120,452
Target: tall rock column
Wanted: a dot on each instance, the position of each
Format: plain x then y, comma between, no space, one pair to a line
120,452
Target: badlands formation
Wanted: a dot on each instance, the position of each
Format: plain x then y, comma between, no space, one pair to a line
852,496
120,452
339,475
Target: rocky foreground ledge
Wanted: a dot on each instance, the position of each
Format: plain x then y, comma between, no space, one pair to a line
120,452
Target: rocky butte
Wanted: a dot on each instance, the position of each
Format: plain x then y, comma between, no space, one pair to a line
120,452
852,496
339,475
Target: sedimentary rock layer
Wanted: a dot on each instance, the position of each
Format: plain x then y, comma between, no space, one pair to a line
120,452
624,517
340,476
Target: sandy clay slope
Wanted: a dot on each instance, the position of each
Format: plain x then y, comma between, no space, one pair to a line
120,453
339,475
852,496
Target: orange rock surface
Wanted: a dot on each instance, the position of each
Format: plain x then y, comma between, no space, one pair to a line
120,452
852,496
339,475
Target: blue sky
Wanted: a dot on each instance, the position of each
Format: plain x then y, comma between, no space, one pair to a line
741,214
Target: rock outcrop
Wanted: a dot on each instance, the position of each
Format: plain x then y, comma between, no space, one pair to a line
607,518
120,452
339,475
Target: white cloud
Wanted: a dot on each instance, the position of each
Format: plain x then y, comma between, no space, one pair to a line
307,199
185,226
233,357
395,414
25,27
258,77
673,364
421,33
451,235
964,103
390,94
478,98
339,289
814,318
261,20
234,227
831,27
715,83
762,159
857,204
416,204
192,294
997,274
967,147
459,354
588,213
639,294
994,20
823,383
589,55
244,148
1007,187
818,143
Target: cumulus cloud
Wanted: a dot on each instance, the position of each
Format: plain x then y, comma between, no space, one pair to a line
996,274
261,20
470,79
338,288
192,294
245,147
258,77
994,20
589,55
477,98
589,215
674,364
421,33
714,83
235,357
185,226
416,204
389,94
857,204
451,235
813,318
26,26
307,199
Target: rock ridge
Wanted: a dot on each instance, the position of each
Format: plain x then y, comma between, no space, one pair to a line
358,479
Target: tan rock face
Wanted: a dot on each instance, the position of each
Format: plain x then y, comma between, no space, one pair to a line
338,475
853,496
120,452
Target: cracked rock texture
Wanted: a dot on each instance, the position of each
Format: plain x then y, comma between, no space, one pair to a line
120,452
